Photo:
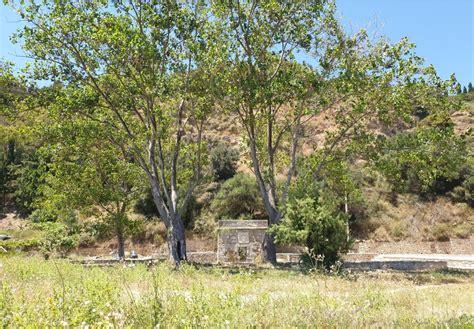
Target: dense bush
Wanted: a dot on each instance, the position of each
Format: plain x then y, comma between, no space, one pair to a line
20,245
238,197
145,205
29,177
58,237
424,161
321,229
465,191
224,160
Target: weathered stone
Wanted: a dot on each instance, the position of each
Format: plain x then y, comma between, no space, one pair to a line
240,241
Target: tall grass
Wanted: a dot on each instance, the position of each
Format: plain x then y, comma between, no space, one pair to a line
54,293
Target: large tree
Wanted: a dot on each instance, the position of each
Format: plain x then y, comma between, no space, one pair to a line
90,176
364,88
145,70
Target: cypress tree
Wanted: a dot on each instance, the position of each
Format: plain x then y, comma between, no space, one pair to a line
458,88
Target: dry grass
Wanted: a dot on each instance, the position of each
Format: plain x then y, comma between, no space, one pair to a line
37,293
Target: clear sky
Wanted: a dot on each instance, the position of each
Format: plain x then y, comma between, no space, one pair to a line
441,29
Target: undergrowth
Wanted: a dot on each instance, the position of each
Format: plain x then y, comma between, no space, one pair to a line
57,293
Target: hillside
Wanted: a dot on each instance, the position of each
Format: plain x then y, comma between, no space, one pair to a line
388,217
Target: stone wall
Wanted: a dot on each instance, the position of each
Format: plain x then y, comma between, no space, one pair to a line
240,241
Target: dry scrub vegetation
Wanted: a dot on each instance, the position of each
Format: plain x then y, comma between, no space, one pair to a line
38,293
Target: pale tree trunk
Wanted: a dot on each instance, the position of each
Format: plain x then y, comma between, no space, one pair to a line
268,197
174,224
272,204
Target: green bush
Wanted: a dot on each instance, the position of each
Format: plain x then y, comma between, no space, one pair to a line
145,205
28,179
238,197
465,191
58,237
20,245
42,216
224,160
322,229
425,161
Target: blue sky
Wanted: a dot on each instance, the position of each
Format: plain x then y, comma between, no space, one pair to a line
441,29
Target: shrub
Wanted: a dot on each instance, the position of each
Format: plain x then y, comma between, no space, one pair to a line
463,230
205,225
441,232
224,160
58,238
238,197
42,216
322,229
20,245
426,161
465,191
145,205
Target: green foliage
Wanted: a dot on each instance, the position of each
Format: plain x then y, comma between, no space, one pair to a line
224,160
321,229
145,205
465,191
21,245
13,92
337,181
417,161
238,197
136,82
29,178
58,237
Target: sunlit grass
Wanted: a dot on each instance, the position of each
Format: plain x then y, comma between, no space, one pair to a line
38,293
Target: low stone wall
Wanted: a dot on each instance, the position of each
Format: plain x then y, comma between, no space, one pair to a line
396,265
205,257
454,246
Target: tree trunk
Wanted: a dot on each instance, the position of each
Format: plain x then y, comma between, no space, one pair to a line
120,237
177,240
268,246
174,225
269,249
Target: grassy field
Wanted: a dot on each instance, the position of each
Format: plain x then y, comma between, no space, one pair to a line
55,293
